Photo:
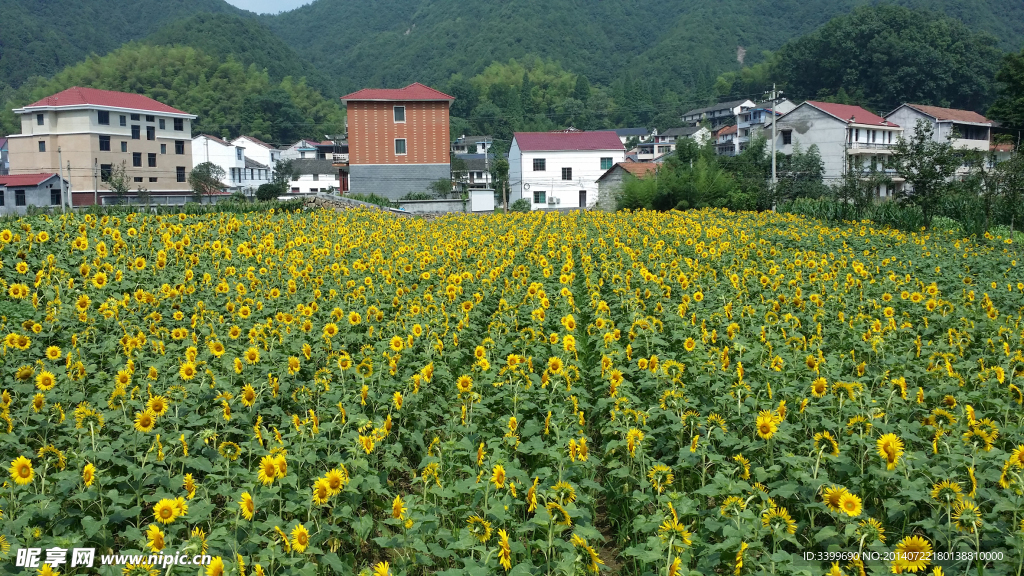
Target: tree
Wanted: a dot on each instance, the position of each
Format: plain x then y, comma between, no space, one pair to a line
119,182
928,168
267,192
466,96
460,173
581,91
1012,188
1009,105
206,178
499,176
800,175
284,173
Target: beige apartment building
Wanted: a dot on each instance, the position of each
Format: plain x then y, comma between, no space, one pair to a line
95,131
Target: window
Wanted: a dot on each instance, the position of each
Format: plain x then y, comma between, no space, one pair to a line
105,171
566,173
150,133
606,163
54,196
137,159
104,143
399,113
124,120
540,197
540,164
163,124
135,117
124,146
42,145
316,177
179,146
787,137
152,179
136,132
238,153
150,118
314,189
103,117
874,136
179,124
856,134
19,197
400,146
2,199
152,159
39,119
180,173
137,179
163,148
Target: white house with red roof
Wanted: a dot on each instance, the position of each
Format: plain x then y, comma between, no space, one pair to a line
965,129
19,191
258,150
560,169
847,137
94,131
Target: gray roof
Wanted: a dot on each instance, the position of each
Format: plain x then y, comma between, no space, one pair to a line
474,162
719,106
627,132
681,132
475,139
313,166
250,163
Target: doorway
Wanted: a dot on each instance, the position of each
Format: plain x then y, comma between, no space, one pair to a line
583,198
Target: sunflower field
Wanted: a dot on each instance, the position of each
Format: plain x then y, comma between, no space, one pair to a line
635,393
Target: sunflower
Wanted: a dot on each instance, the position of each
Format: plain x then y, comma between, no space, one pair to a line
555,365
321,491
778,517
145,420
21,470
337,478
300,538
229,450
967,516
766,424
819,387
504,550
870,530
53,353
660,477
215,567
248,396
45,381
890,448
89,474
252,356
479,528
165,511
464,384
154,538
947,492
912,554
832,496
268,470
559,514
157,405
826,441
187,371
850,505
247,506
498,476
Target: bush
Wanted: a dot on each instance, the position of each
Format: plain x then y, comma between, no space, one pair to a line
372,199
268,192
521,205
419,196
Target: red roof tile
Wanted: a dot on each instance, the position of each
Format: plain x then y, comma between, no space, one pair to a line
638,169
1003,147
727,130
91,96
577,140
845,112
950,114
26,179
414,91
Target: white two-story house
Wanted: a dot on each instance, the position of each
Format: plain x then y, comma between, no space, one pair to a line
718,115
849,138
965,129
560,169
259,151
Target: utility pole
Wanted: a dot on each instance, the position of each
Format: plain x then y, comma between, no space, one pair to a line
775,134
60,175
95,181
71,201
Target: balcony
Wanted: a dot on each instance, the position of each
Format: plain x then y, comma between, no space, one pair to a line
868,147
339,158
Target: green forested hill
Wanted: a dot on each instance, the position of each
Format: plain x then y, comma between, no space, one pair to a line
41,37
243,38
683,43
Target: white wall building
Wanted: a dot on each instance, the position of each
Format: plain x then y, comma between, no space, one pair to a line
972,130
847,137
231,158
560,169
259,151
313,175
718,114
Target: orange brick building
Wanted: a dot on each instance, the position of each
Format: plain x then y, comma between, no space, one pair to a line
398,140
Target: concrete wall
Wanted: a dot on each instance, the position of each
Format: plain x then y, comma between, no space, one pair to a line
810,127
393,181
907,118
608,189
433,206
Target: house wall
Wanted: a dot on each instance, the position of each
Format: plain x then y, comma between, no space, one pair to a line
305,183
373,130
907,118
77,132
813,127
586,169
515,172
226,157
34,196
258,153
393,181
608,189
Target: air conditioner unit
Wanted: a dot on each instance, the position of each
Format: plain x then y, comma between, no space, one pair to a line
558,200
552,201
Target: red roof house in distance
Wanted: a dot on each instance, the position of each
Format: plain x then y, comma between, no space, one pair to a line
19,191
847,138
972,131
560,169
398,139
97,130
609,185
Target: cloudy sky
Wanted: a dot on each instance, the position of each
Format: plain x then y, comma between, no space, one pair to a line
268,6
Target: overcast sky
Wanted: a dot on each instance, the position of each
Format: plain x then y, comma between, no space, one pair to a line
268,6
